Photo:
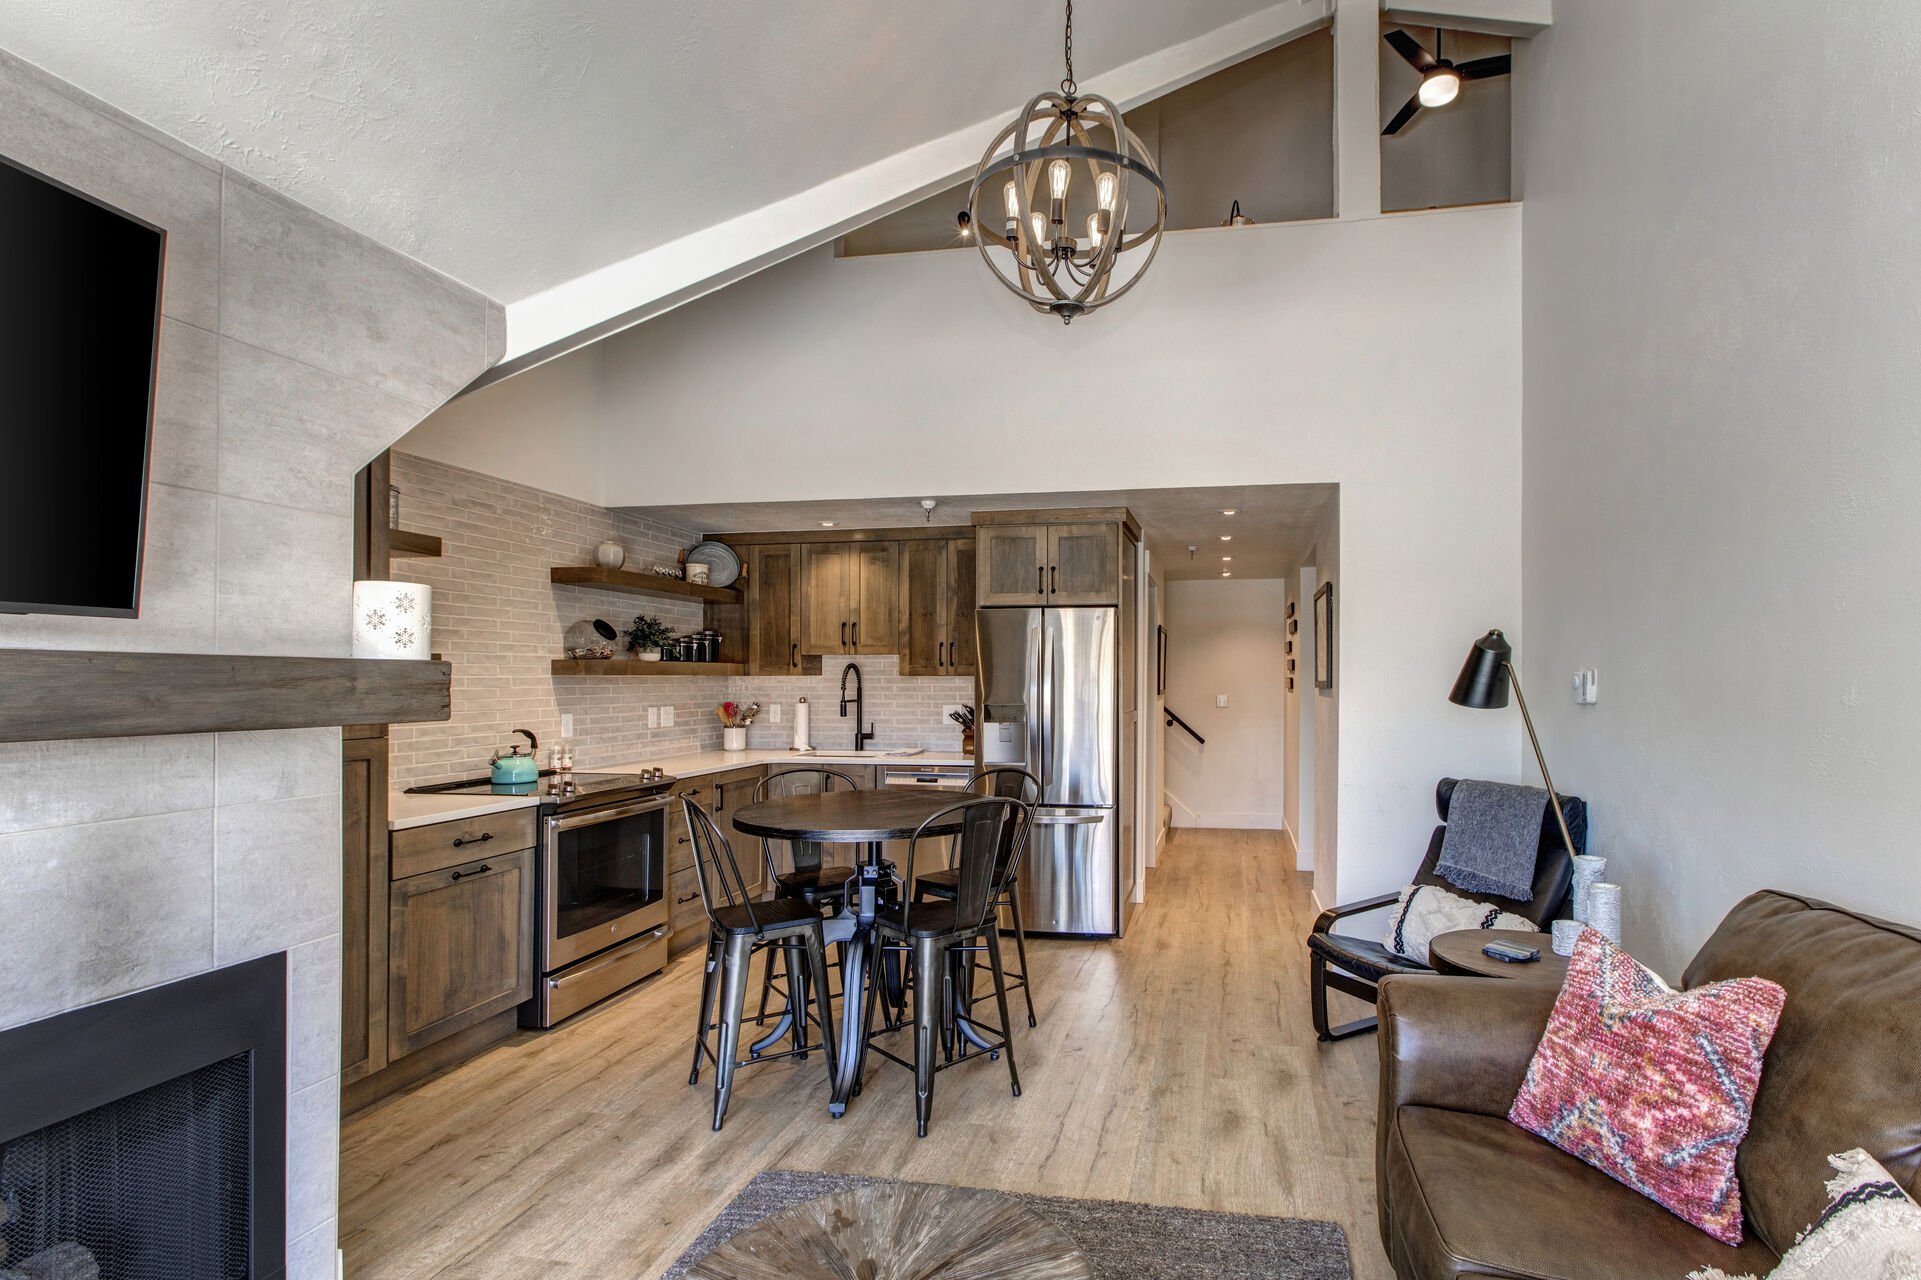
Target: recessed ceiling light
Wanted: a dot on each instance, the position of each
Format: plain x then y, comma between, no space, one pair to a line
827,524
1228,511
1224,559
1226,574
1227,537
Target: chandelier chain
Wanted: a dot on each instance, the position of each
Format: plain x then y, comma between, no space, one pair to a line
1067,52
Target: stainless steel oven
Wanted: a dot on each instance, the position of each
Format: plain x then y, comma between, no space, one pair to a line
601,904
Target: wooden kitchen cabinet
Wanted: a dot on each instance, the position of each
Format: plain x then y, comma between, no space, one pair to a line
685,914
363,826
847,603
1083,564
460,947
1012,564
775,589
936,605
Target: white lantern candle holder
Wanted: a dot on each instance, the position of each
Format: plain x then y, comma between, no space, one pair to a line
392,620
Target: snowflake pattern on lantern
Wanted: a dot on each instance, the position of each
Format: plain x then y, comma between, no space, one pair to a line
376,619
404,637
404,602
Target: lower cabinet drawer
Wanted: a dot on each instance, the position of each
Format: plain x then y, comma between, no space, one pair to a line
460,946
685,911
440,845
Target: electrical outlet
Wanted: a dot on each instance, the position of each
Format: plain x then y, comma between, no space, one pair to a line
667,716
1220,699
653,717
1587,687
566,724
773,713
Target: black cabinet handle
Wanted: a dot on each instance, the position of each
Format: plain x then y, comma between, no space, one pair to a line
681,902
843,635
1040,579
1053,579
940,653
480,870
793,658
681,840
479,839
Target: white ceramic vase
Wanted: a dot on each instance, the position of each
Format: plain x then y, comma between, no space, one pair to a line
733,739
610,555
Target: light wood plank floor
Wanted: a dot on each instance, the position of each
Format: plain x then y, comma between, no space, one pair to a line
1175,1067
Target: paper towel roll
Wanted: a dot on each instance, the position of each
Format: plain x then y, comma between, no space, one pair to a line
801,741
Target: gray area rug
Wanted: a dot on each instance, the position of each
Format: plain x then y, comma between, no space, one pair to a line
1122,1241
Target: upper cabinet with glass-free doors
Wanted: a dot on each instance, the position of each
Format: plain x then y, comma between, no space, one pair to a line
1051,558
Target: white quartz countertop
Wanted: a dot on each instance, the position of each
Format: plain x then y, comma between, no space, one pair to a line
405,810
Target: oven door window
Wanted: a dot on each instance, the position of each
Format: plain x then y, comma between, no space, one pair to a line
606,870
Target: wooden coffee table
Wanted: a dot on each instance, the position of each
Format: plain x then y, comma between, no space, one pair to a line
1459,953
898,1231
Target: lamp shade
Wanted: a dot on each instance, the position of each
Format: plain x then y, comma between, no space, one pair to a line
392,619
1484,676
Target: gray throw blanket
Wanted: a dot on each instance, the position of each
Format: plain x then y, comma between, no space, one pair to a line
1493,832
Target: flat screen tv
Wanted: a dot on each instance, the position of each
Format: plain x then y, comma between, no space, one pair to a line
79,331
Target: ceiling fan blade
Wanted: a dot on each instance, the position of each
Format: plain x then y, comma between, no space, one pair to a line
1487,68
1410,48
1401,117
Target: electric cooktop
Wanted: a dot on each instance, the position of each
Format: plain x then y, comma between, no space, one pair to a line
595,788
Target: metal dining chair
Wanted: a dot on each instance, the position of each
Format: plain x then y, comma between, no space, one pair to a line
810,879
1014,784
936,933
737,928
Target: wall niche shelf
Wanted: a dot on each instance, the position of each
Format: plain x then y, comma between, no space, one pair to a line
642,584
405,542
635,667
52,694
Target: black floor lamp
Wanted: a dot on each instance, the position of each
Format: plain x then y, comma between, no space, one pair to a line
1483,683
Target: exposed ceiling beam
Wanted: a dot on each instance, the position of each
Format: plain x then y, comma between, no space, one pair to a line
1491,17
616,297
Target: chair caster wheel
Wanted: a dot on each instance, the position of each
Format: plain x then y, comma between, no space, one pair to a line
993,1055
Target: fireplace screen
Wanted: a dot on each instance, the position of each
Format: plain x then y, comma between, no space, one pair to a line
154,1186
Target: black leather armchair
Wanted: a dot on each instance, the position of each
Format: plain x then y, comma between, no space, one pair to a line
1359,964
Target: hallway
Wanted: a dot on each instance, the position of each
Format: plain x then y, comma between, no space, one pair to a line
1175,1067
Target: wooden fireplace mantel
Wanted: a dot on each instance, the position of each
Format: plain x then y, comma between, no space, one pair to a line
50,694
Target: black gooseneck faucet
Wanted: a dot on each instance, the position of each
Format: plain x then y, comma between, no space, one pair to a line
861,737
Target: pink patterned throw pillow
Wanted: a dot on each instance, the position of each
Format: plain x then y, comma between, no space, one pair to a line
1652,1086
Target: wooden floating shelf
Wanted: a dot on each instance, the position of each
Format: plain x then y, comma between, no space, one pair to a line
635,667
642,584
405,542
53,694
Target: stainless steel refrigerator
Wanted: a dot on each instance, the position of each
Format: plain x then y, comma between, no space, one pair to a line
1049,698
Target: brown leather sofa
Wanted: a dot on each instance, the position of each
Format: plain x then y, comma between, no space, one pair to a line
1464,1193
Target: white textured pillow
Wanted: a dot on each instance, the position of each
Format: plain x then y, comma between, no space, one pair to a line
1427,911
1870,1230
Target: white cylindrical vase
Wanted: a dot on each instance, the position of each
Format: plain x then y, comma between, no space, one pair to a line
1588,870
392,620
1604,910
610,555
1566,932
733,739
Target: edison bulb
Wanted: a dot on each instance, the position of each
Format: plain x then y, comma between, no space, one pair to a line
1011,199
1040,229
1442,86
1094,230
1057,175
1104,191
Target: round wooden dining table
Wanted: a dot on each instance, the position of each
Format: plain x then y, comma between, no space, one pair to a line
869,819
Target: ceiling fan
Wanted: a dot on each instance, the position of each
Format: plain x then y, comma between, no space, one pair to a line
1440,79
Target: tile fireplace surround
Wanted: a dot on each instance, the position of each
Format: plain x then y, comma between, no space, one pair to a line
291,352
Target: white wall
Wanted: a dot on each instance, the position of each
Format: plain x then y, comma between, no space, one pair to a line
1332,884
1227,637
1382,354
1722,454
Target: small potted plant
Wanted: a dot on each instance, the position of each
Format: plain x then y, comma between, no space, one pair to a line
645,637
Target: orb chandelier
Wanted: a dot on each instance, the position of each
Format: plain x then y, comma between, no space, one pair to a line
1049,204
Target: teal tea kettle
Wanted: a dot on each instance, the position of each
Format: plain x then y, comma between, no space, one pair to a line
514,766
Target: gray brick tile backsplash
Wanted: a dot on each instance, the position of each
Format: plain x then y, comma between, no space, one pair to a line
500,621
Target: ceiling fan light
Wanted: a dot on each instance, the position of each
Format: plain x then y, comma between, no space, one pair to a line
1440,87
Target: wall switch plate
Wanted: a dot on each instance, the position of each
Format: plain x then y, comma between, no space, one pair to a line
566,724
773,713
653,717
667,716
1220,699
1587,687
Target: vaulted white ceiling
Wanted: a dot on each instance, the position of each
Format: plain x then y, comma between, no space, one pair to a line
523,147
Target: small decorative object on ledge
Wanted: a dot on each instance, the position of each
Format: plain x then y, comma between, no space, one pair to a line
610,555
1604,910
1235,218
1588,870
392,619
592,640
646,636
1565,934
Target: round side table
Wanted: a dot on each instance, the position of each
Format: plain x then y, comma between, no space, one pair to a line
898,1231
1459,953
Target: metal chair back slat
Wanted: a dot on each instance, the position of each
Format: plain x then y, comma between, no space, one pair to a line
988,824
721,883
806,856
